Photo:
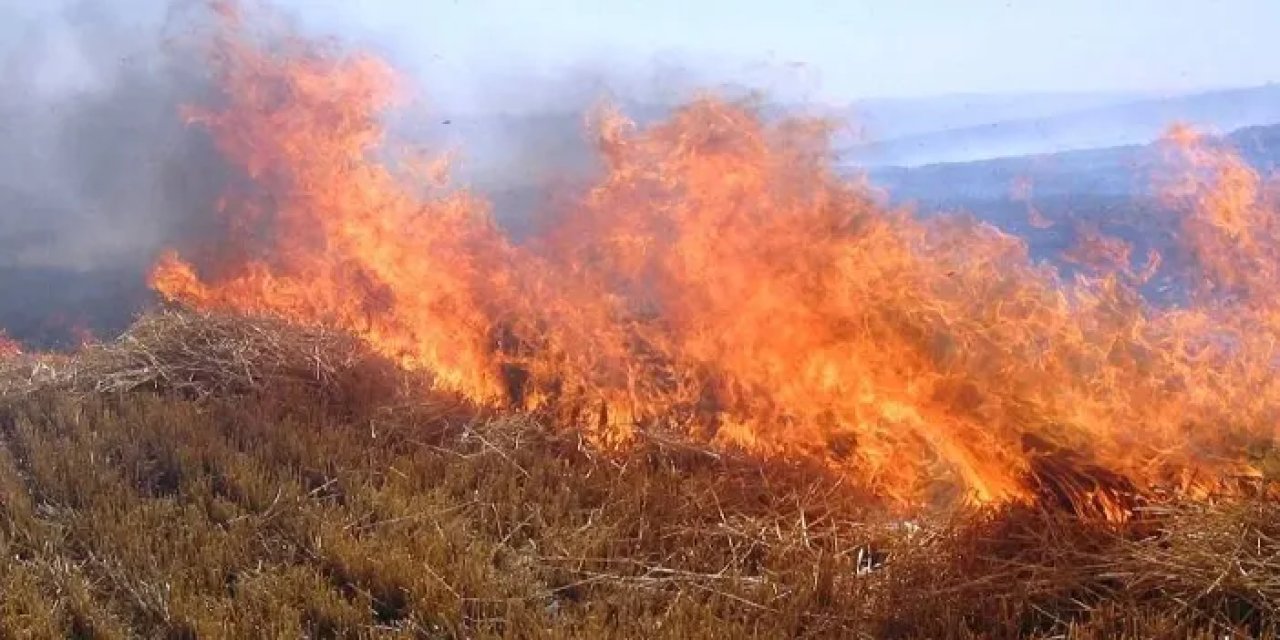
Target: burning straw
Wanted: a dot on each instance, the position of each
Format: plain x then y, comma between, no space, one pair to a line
719,278
740,312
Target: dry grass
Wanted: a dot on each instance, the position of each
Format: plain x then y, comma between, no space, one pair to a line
199,356
215,477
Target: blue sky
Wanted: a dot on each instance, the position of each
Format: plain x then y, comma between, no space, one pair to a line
835,50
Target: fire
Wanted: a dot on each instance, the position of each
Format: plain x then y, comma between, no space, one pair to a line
9,347
720,279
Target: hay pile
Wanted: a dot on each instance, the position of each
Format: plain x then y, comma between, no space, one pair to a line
198,355
662,530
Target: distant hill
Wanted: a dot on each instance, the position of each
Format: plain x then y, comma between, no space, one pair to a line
892,118
1124,170
1100,126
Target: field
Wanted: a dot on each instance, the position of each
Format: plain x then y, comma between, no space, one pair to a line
207,477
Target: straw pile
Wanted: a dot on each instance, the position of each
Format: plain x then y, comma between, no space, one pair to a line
198,355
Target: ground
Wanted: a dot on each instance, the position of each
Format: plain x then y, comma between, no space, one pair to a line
173,507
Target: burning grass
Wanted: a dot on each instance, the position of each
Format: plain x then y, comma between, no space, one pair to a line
716,277
209,476
715,399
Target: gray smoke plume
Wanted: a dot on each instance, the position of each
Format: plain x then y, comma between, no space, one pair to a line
97,170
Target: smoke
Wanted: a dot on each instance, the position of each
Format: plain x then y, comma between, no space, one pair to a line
523,137
99,173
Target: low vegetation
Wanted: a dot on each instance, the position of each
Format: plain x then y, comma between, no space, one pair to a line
207,477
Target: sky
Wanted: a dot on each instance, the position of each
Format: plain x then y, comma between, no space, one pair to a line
466,52
837,51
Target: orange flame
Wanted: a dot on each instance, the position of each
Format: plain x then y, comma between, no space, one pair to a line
719,278
9,348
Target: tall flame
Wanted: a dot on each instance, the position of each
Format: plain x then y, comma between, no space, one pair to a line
719,278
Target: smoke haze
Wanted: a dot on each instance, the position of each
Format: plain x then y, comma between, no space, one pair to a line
98,171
